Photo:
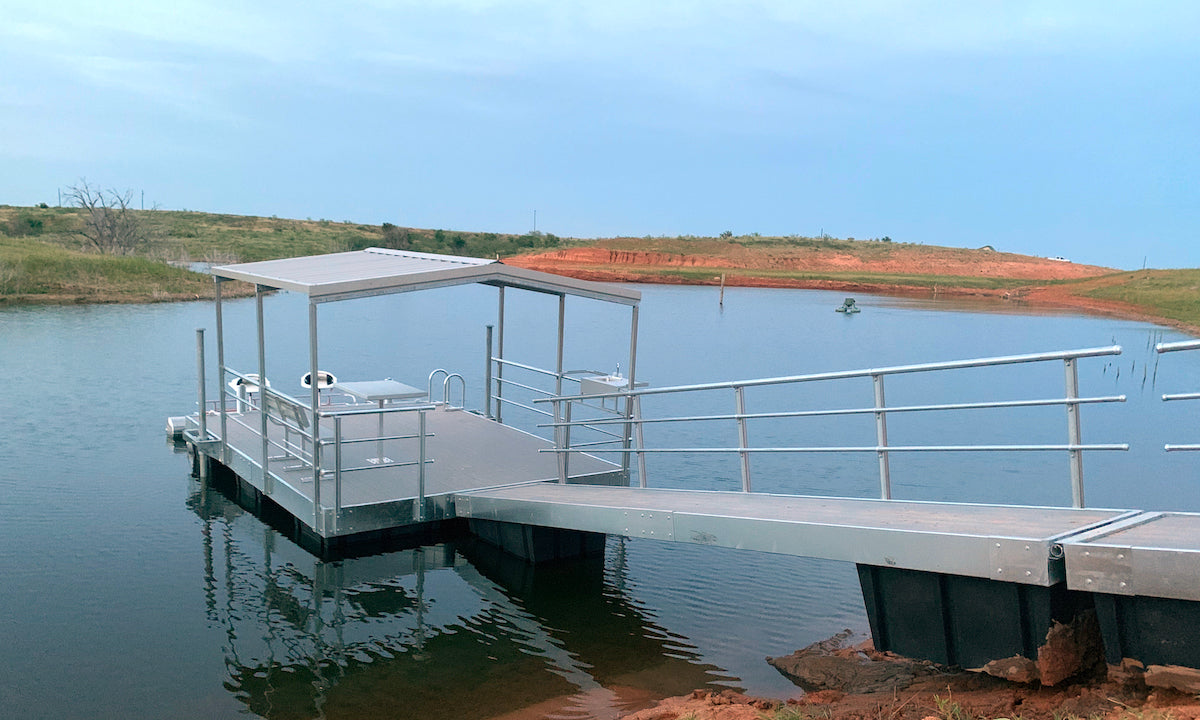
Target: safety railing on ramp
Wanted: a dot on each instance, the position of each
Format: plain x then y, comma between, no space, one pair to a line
633,422
1175,347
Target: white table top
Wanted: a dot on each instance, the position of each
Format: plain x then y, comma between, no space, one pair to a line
379,390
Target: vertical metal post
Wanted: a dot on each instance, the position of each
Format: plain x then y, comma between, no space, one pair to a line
221,371
337,469
641,441
559,444
558,367
268,486
317,483
487,377
739,394
566,462
881,441
500,356
627,439
315,398
420,510
1074,432
201,399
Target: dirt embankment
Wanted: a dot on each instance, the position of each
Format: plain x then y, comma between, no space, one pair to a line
855,267
847,681
624,257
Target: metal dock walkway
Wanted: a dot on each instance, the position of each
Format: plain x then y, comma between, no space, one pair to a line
462,450
952,582
1015,544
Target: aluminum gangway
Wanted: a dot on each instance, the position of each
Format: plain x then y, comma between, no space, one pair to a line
933,574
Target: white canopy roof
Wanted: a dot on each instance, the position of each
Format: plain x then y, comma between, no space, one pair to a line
380,271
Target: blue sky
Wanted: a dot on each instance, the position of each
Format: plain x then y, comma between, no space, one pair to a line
1047,128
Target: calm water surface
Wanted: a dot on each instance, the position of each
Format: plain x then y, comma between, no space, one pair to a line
130,592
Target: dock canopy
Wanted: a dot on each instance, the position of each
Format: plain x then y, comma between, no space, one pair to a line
380,271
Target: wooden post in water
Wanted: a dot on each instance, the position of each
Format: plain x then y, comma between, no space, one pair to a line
721,300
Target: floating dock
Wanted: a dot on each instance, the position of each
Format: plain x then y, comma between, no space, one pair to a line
956,583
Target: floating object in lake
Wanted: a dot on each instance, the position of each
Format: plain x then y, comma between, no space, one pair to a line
849,307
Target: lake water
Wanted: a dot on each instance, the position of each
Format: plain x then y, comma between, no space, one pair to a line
128,591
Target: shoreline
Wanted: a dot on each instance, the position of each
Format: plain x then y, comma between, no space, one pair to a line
840,679
1031,296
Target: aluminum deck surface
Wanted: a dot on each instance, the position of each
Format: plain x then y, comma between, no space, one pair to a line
1154,554
468,452
1010,543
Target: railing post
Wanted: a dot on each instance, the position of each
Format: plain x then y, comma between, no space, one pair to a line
566,457
487,377
500,355
268,483
559,444
200,383
337,424
337,468
881,441
221,373
314,393
739,394
420,509
1074,431
641,442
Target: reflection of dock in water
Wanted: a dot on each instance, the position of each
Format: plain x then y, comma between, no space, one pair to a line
394,635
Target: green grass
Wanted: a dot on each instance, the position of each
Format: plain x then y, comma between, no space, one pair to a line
43,259
183,235
1172,294
33,270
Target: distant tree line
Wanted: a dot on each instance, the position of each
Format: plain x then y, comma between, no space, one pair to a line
455,242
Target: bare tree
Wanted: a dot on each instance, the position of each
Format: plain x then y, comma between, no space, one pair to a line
110,224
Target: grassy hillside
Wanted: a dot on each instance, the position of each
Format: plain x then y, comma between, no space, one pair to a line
33,271
43,259
1169,294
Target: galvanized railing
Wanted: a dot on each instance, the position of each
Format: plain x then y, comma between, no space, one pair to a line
339,441
275,408
541,394
1175,347
634,424
447,377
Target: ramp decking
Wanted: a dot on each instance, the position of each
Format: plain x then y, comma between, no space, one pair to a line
1154,554
1016,544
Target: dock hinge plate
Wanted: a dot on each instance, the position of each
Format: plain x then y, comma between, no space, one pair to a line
1102,569
1025,561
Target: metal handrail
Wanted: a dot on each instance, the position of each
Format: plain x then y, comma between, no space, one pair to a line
854,411
1071,401
506,401
500,382
313,435
286,446
1174,347
565,375
373,410
432,375
530,388
848,374
858,448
